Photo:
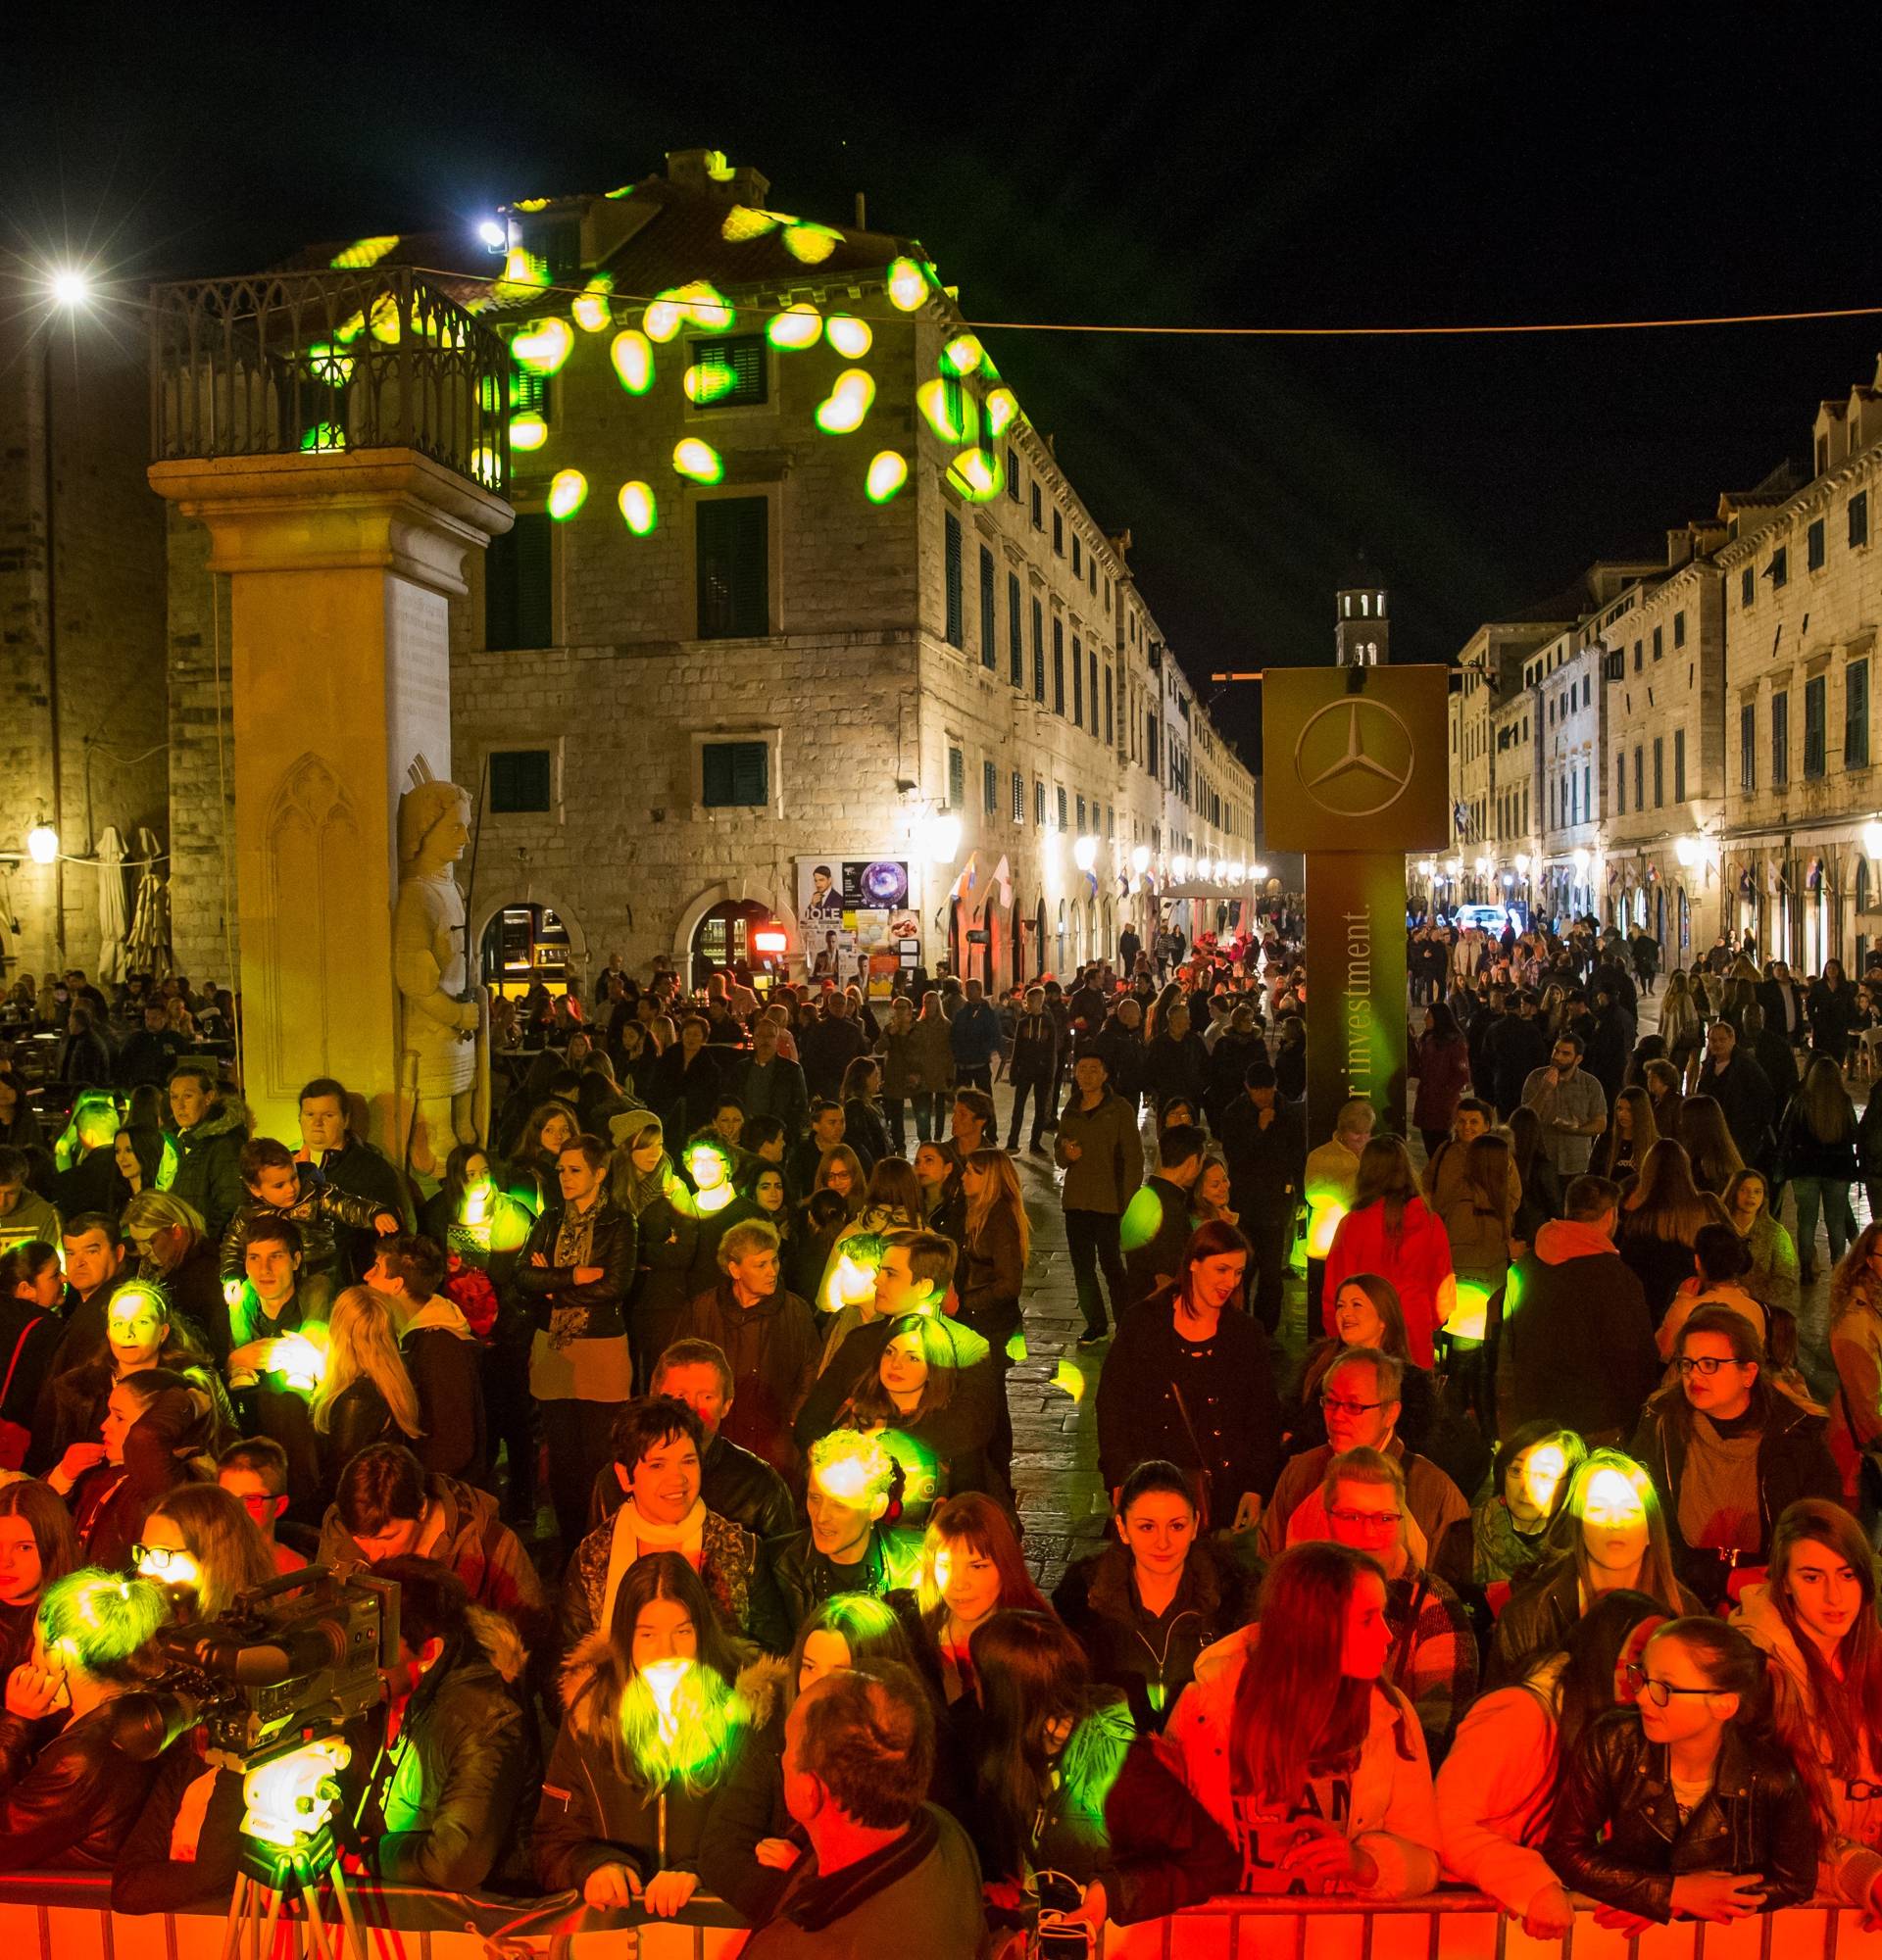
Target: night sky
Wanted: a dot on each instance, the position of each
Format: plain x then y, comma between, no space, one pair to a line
1144,165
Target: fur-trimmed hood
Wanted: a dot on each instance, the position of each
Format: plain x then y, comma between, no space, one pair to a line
227,1115
500,1642
588,1691
762,1687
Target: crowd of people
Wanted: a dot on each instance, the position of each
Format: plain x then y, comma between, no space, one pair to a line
679,1416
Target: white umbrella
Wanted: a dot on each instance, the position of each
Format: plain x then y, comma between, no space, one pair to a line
149,949
111,905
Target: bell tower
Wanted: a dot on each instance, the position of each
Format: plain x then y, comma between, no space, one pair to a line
1362,635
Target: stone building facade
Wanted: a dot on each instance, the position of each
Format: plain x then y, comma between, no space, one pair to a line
950,696
81,624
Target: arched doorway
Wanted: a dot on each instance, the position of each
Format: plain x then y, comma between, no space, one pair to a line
525,946
722,937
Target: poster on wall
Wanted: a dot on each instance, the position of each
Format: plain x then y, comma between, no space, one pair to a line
850,909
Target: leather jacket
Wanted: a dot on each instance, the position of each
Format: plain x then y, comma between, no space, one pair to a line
1616,1831
75,1805
552,1288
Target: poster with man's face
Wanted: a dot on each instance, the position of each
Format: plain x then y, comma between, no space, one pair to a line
846,905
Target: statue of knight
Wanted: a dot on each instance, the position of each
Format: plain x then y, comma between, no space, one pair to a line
444,1016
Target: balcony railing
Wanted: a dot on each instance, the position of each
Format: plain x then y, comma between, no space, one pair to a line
326,363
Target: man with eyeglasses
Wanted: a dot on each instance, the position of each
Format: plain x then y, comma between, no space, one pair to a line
1360,1400
1728,1452
1571,1105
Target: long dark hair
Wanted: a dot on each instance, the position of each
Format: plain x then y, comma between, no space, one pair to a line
1525,1140
869,1402
1385,1179
707,1710
1847,1705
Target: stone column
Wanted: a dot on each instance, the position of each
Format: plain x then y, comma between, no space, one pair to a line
341,569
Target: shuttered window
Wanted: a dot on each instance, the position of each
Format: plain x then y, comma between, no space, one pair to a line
957,778
518,781
742,357
518,608
734,775
734,551
988,654
956,626
1016,633
1078,680
1038,653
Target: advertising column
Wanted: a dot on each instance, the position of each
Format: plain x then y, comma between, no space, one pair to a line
1354,775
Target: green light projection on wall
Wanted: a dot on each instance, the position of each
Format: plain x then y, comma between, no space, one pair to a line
325,362
698,460
664,318
591,309
888,471
849,401
811,244
323,436
1003,410
963,353
528,431
948,410
979,474
484,466
632,354
795,328
849,336
543,347
708,381
364,252
638,509
568,493
908,285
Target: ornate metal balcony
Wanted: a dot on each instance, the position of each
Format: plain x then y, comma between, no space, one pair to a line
325,362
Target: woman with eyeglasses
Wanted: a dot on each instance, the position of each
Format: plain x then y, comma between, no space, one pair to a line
1729,1450
202,1547
1608,1536
1497,1785
1697,1800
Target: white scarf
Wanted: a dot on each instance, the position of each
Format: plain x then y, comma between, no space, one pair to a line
634,1537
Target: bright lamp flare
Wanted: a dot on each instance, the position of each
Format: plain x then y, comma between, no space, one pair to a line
849,337
493,234
632,354
888,471
70,286
698,460
43,844
908,285
1140,860
568,493
638,509
849,401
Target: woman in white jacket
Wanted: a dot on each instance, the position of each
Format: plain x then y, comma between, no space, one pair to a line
1313,1768
1497,1785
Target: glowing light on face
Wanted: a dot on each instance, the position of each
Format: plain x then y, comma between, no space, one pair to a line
638,510
568,493
849,337
632,354
908,285
707,1166
979,475
888,471
963,353
544,347
708,381
1538,1475
796,328
323,436
527,430
947,418
593,313
849,401
698,460
1003,410
811,244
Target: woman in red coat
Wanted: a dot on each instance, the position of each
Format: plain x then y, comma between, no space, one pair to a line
1391,1232
1442,1064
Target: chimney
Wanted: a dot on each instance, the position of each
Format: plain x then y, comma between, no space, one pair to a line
1679,547
862,212
707,172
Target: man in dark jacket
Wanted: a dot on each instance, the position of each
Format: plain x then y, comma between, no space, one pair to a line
768,1336
846,1547
973,1039
210,1131
1786,1013
828,1046
1743,1091
151,1051
1032,1068
1517,1047
1155,1225
440,1354
1120,1042
1728,1452
732,1482
1772,1053
1264,1143
1577,1341
1175,1063
351,1164
767,1085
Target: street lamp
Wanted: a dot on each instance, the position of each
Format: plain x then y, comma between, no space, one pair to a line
1522,865
70,286
1140,860
1872,837
42,843
944,839
1687,851
1084,852
1179,867
495,236
1580,862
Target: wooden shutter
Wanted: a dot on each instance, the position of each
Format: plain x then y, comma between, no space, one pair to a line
734,562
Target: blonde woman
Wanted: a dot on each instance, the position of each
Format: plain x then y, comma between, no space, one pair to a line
364,1395
1681,1024
993,1269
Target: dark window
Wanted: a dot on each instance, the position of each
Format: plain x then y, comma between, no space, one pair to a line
1816,714
956,626
1679,765
1018,798
1091,657
1640,778
518,781
1062,806
1813,545
1109,724
988,653
1058,533
1016,633
1660,775
1640,659
1780,567
1077,557
1747,586
990,788
516,585
1038,653
557,242
1747,746
1679,630
1058,666
733,551
1660,646
1856,716
1151,733
957,777
1081,825
1038,521
742,357
1780,739
1859,517
1013,474
1078,683
734,775
529,390
1038,803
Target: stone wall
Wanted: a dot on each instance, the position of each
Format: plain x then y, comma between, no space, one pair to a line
202,775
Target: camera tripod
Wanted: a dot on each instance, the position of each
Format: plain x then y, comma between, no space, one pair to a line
273,1875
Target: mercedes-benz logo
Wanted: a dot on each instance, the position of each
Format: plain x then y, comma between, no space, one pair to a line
1355,758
